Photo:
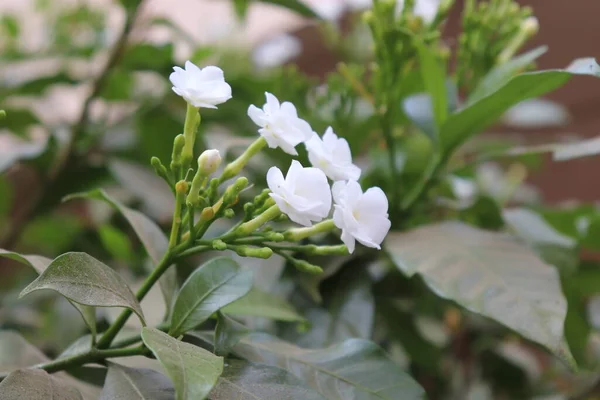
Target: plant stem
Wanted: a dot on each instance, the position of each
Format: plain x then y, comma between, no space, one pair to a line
193,251
190,128
236,166
114,329
180,192
67,157
298,234
248,227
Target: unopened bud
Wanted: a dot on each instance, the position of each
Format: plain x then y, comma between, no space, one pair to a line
231,193
340,250
256,252
274,237
305,266
178,144
160,170
207,214
530,26
209,162
229,213
181,187
219,245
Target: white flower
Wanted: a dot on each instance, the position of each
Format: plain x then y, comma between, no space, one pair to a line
204,87
360,216
332,155
303,195
276,51
209,161
280,125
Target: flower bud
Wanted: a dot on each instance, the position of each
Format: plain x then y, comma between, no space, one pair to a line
256,252
530,26
160,170
219,245
305,266
231,193
181,187
209,162
274,237
229,213
178,144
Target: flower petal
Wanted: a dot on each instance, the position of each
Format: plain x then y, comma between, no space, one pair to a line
275,179
212,73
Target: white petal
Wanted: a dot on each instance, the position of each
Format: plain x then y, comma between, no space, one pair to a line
312,184
314,143
272,103
257,115
349,241
294,172
275,180
177,78
192,68
289,109
341,151
339,192
330,138
212,73
373,200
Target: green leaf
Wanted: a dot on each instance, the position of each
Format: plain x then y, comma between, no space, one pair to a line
533,229
193,370
354,369
241,8
503,72
570,151
39,264
227,334
118,86
136,383
83,279
295,6
263,304
116,243
489,273
434,80
18,149
154,240
476,117
144,56
212,286
245,381
36,384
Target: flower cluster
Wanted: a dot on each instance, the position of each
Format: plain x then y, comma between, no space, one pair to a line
304,193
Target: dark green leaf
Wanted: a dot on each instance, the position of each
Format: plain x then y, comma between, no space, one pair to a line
227,334
36,384
294,5
136,383
115,242
503,72
144,56
354,369
83,279
118,86
476,117
246,381
488,273
193,370
212,286
263,304
434,78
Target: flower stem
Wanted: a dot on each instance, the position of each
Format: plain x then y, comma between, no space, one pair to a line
190,128
154,276
234,168
248,227
298,234
180,192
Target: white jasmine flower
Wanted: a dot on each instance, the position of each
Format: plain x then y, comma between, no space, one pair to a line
279,124
201,87
360,216
209,161
303,195
276,51
332,155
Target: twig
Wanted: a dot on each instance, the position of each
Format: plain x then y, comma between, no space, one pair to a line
67,158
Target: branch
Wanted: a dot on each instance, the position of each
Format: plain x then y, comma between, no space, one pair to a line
67,157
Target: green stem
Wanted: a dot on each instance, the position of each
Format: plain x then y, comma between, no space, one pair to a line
114,329
236,166
193,251
180,190
190,127
90,357
298,234
248,227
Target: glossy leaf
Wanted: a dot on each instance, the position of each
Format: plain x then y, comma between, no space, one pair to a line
39,264
353,369
503,72
479,115
154,240
434,78
245,381
209,288
36,384
136,383
227,334
85,280
263,304
193,370
488,273
532,228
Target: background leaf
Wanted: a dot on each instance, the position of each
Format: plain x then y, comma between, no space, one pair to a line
245,381
489,273
227,334
36,384
355,368
257,303
434,78
295,6
136,383
85,280
212,286
193,370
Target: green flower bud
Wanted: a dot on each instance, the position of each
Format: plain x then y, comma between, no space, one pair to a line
160,170
232,192
219,245
256,252
305,266
229,213
274,237
178,145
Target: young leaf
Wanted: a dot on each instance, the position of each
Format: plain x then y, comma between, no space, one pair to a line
154,240
209,288
227,334
193,370
263,304
488,273
83,279
39,264
434,80
136,383
479,115
245,381
36,384
353,369
503,72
